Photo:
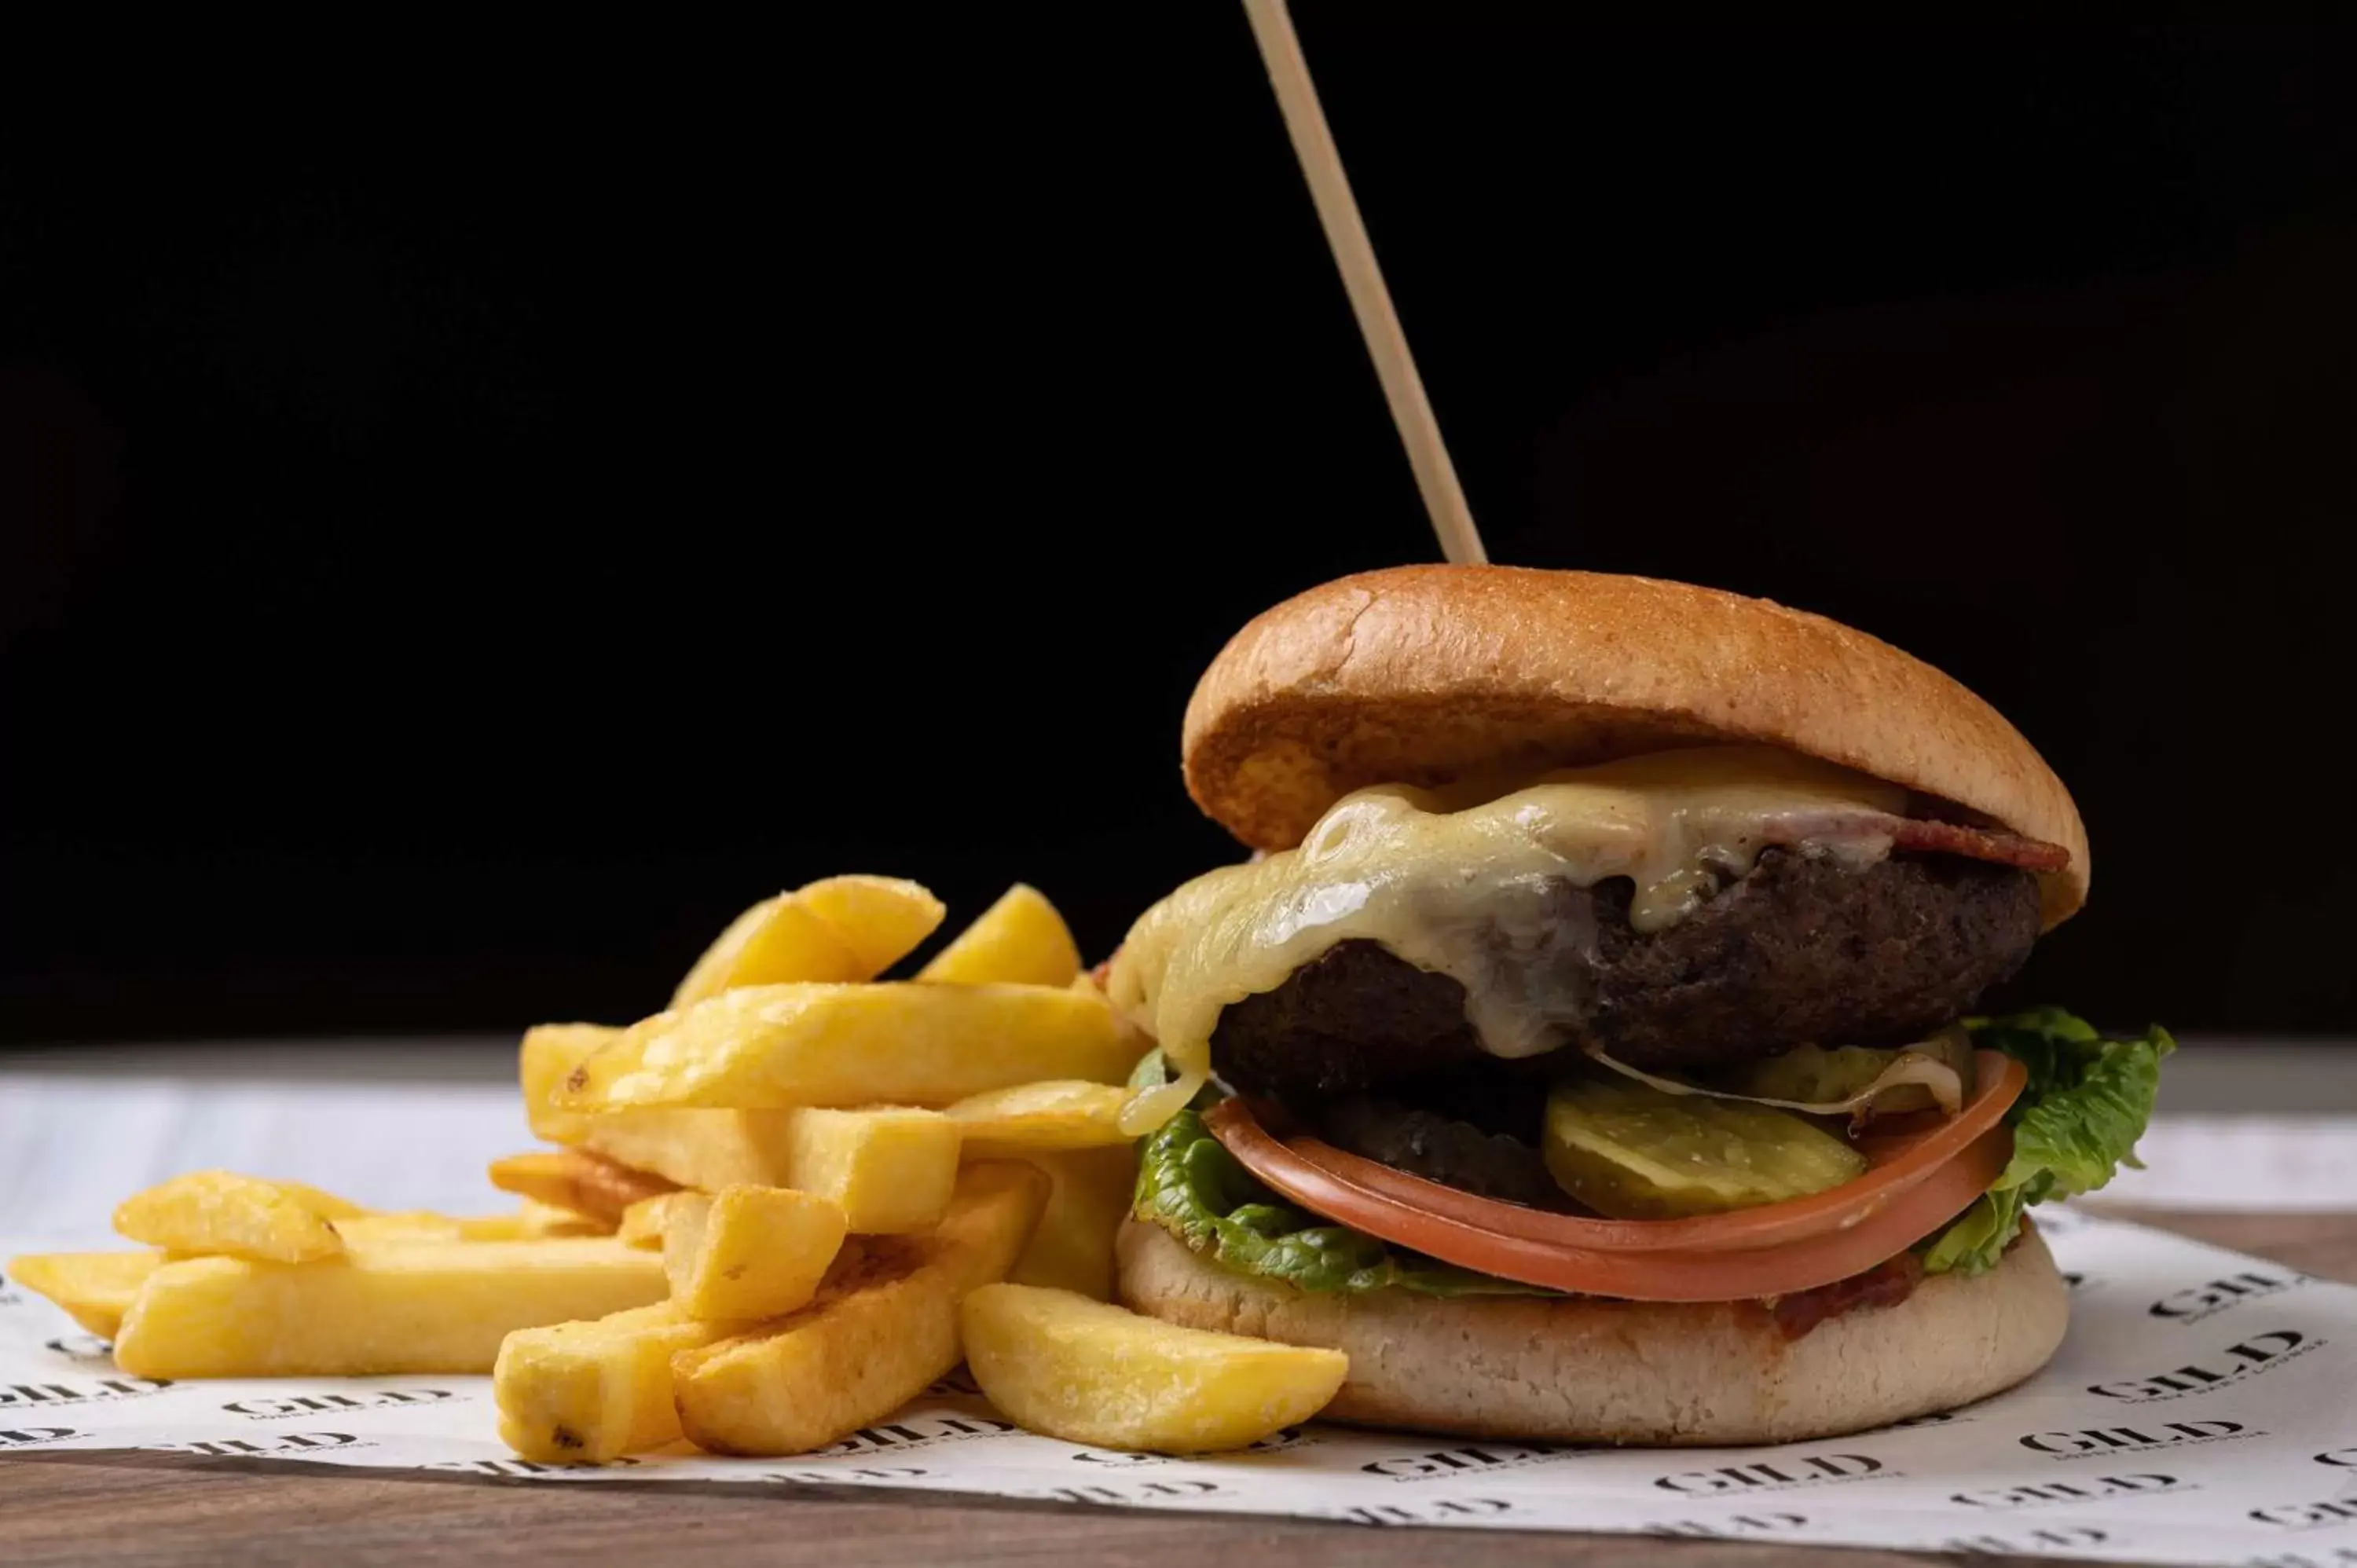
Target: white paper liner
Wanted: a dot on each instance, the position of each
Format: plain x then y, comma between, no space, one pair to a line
2203,1410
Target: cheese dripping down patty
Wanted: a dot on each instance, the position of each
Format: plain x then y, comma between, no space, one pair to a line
1468,881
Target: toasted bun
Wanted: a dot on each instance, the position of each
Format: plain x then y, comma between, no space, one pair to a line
1586,1371
1420,674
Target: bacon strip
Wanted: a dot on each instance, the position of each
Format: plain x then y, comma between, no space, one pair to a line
1885,1284
1918,834
1980,843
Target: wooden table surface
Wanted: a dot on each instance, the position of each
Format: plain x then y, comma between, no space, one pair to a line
122,1508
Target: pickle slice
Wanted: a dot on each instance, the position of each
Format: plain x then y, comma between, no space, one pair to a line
1630,1152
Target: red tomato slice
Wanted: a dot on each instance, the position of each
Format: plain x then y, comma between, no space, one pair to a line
1918,1185
1896,1163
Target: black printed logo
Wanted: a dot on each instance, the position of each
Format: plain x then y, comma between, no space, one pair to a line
1131,1495
1430,1511
1277,1441
1487,1456
519,1468
2329,1514
2340,1557
1740,1527
2260,1353
2346,1459
915,1433
82,1348
959,1382
879,1475
2054,1538
336,1405
91,1391
33,1436
290,1444
1933,1418
2049,1492
1818,1470
2132,1439
2195,1303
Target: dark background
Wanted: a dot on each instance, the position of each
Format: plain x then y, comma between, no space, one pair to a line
462,537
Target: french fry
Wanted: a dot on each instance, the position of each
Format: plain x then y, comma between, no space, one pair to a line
224,1213
882,918
706,1150
94,1288
1136,1042
1066,1366
891,1169
748,1252
643,1222
586,1184
1021,939
882,1328
845,928
1072,1248
776,941
777,1047
549,1053
401,1307
532,1221
415,1224
591,1392
1064,1113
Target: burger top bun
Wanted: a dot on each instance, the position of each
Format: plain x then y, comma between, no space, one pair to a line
1423,674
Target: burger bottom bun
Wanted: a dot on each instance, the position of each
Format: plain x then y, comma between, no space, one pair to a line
1592,1370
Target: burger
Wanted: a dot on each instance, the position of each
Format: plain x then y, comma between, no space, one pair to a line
1589,1046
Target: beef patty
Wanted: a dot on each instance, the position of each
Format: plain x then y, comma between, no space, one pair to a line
1800,950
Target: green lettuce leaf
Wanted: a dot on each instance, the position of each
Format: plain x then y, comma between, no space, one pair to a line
1190,1185
2078,1122
2086,1104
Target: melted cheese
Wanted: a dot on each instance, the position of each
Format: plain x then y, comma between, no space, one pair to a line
1477,883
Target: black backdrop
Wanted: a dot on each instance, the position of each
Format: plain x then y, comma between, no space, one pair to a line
475,510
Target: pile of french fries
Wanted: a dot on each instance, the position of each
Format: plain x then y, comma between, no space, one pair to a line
772,1214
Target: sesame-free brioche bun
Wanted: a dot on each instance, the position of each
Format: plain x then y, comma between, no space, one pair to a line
1423,675
1583,1370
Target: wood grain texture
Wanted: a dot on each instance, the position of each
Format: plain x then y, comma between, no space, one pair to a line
158,1510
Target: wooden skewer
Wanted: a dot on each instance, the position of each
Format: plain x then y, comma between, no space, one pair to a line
1379,323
